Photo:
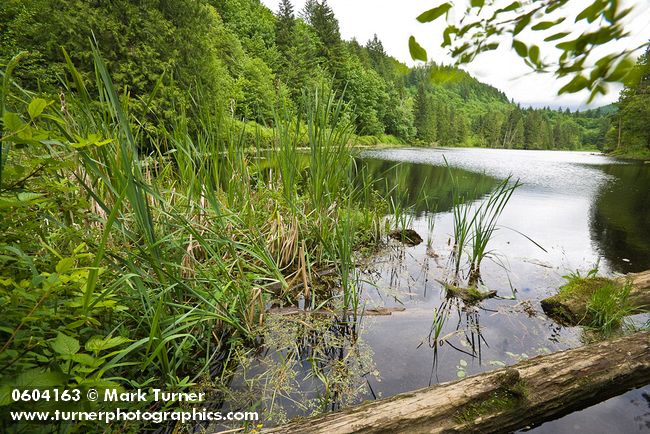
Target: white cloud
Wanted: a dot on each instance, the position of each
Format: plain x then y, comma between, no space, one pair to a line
394,21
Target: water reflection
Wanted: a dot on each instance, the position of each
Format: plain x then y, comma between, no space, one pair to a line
628,413
467,329
424,188
620,218
568,204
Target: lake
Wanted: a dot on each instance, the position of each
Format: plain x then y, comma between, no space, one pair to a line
575,211
583,209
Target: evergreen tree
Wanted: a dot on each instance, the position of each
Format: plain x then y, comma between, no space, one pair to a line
425,122
377,56
631,126
443,123
512,131
285,27
321,16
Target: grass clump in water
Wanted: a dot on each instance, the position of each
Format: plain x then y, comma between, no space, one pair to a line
608,306
475,225
596,302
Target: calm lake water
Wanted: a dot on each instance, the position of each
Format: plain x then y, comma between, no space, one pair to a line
583,210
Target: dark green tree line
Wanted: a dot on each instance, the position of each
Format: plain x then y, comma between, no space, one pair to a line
241,58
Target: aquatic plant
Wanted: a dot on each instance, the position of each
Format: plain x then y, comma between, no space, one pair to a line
485,222
467,329
475,224
313,363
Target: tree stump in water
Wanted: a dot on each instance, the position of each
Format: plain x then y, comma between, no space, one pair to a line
406,236
530,392
569,307
469,295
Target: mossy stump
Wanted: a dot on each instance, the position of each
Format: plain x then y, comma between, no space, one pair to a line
469,295
569,306
406,236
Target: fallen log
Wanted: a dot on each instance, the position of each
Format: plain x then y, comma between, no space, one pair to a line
528,393
569,306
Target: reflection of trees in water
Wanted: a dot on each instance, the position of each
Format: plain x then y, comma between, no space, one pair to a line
620,217
424,187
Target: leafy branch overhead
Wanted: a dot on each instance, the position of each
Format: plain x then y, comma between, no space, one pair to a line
563,37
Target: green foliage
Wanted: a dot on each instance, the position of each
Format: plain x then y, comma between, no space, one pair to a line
606,301
630,127
475,225
187,242
481,27
253,62
608,307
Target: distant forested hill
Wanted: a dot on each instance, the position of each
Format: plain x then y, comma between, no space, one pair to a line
240,58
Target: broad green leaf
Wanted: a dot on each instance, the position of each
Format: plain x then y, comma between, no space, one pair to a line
623,68
86,359
533,53
97,343
556,36
26,196
64,265
591,12
75,324
461,374
576,85
544,25
21,199
65,345
521,24
600,89
417,52
477,3
36,107
554,5
435,13
520,48
567,46
12,121
37,378
511,7
446,36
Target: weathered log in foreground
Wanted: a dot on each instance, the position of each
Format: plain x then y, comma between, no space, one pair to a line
570,307
538,389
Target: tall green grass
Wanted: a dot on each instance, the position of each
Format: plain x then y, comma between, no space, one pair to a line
475,224
485,222
608,307
328,134
193,231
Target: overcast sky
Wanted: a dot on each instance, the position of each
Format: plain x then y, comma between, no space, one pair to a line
394,21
